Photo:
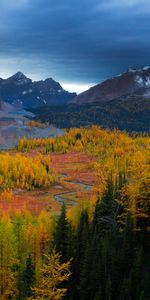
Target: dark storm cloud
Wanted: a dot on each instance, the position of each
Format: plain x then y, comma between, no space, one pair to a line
72,40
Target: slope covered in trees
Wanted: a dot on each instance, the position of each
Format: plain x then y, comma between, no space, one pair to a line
98,249
131,114
109,256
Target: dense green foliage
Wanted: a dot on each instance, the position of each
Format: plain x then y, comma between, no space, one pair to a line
131,114
110,258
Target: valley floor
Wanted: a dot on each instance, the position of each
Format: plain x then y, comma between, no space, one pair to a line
77,182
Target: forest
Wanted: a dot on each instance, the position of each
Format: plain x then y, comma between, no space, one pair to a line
96,249
131,114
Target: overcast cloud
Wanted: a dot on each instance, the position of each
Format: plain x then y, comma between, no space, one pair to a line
75,42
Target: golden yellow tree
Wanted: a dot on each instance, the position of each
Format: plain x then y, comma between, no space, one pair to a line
52,274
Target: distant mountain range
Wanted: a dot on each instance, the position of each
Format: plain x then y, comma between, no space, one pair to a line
134,82
121,102
22,92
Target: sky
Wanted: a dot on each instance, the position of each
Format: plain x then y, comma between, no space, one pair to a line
77,42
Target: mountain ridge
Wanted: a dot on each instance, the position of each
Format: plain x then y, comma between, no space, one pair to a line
133,82
21,91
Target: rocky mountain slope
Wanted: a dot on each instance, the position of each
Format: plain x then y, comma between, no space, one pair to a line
14,125
21,91
134,82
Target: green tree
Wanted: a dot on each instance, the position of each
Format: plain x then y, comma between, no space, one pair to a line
29,277
61,235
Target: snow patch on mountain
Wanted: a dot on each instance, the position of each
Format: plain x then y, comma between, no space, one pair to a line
132,82
139,80
147,82
24,92
146,68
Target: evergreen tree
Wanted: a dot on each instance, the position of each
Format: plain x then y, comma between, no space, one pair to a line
82,239
62,234
104,216
29,277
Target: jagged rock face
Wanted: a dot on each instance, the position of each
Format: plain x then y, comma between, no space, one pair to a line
23,92
131,83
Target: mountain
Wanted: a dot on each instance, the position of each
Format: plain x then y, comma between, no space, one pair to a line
134,82
21,91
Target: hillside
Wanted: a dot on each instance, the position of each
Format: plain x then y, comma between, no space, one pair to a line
125,114
15,124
